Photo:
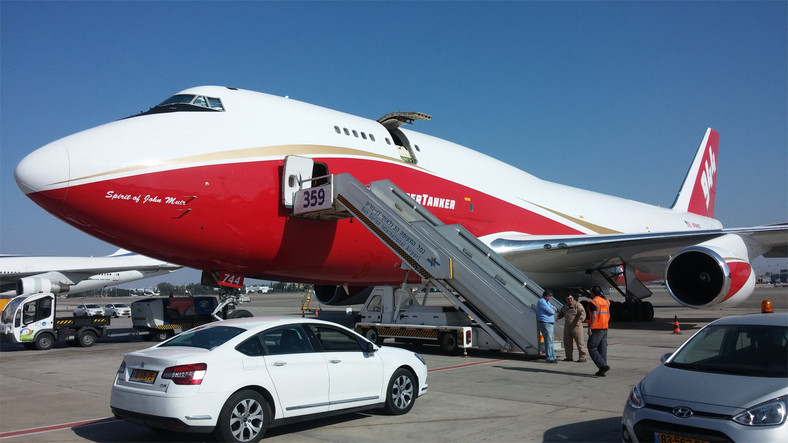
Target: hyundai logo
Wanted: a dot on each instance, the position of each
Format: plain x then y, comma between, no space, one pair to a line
682,412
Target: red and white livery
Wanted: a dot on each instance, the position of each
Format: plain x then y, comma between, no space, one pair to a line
204,170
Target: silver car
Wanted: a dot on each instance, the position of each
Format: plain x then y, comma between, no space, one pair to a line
728,382
88,309
116,310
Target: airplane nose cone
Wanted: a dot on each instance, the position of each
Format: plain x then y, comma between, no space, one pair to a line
44,173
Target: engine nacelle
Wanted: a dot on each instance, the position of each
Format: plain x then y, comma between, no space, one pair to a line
710,273
342,295
35,285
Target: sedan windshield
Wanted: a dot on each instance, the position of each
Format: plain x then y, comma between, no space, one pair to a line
751,350
207,338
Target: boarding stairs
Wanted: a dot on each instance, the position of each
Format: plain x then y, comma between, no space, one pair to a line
500,298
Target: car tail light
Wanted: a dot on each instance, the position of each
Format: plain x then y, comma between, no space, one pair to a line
122,368
186,374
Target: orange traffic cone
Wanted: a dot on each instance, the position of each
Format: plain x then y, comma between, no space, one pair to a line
676,329
315,312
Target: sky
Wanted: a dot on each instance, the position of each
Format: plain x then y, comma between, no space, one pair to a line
610,96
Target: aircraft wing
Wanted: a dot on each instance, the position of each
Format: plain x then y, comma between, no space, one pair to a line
647,252
56,274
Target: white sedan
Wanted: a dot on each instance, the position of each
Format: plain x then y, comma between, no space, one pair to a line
117,310
238,377
89,309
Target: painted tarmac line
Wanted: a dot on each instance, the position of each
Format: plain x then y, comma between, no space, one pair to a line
56,427
446,368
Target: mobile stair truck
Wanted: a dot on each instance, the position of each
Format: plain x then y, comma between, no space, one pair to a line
30,320
496,297
421,314
159,318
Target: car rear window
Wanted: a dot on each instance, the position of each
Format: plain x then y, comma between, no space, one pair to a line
207,338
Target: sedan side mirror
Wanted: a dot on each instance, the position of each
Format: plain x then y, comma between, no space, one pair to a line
371,348
665,357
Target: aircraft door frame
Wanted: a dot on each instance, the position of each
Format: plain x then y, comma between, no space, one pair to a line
296,175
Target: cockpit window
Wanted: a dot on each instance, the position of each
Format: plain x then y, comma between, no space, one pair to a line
186,102
215,103
177,99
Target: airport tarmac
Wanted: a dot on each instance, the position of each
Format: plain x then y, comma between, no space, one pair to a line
63,394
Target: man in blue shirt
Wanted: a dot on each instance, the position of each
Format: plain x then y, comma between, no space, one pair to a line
545,316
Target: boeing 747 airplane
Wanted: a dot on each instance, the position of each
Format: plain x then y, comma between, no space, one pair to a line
213,172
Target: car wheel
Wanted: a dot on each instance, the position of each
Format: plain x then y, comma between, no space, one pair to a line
371,334
401,393
44,341
448,343
160,335
87,339
244,417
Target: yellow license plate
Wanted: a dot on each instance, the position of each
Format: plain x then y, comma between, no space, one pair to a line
143,376
660,437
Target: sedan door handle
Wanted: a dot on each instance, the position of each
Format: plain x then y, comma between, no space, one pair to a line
335,361
280,363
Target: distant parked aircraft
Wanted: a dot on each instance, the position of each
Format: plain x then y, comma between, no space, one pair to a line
28,275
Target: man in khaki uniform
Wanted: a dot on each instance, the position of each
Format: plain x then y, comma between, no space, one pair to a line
574,314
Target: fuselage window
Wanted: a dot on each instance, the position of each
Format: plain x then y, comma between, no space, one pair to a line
336,128
417,148
364,136
355,134
372,137
388,142
346,131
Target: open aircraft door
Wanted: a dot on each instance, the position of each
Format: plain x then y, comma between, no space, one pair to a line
295,175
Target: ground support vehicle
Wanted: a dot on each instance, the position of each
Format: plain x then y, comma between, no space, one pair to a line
30,320
419,314
159,318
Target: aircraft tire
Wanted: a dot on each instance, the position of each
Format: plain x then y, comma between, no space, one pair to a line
645,312
240,313
615,310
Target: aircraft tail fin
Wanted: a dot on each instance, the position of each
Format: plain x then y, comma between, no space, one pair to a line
700,185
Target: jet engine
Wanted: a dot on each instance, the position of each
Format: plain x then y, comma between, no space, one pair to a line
710,273
35,285
342,295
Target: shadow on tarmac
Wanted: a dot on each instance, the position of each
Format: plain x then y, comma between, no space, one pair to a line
116,430
604,430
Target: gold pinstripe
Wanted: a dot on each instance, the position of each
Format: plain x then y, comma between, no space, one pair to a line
245,153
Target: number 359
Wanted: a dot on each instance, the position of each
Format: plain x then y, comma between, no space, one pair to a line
314,197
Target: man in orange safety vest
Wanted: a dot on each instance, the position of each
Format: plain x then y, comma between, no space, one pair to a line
598,319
